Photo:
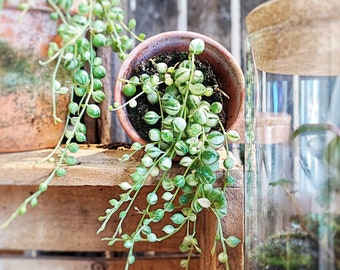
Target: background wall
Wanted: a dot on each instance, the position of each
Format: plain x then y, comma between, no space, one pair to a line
222,20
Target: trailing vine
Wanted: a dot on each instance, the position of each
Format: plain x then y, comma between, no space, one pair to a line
188,132
94,24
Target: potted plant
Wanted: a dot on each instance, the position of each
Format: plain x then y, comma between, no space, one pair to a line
216,56
177,91
73,68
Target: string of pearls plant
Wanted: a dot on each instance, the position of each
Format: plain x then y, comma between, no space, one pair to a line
187,131
95,24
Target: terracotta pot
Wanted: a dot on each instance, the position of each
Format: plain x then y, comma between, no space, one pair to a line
225,68
26,121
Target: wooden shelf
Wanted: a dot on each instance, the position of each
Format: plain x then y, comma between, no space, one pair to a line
66,216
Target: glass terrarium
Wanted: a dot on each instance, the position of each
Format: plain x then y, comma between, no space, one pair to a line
293,136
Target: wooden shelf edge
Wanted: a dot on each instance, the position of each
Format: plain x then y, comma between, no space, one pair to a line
96,166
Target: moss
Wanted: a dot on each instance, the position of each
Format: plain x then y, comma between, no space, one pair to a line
293,251
19,70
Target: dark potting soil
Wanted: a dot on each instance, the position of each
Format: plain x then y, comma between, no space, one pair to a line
171,59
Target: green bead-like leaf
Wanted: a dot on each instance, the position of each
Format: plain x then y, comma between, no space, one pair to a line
129,90
167,135
152,98
233,241
165,163
22,210
146,229
70,160
169,207
99,26
167,196
128,243
191,180
216,107
233,136
178,218
230,180
168,229
209,156
99,40
184,199
212,120
125,186
205,175
193,101
131,259
154,151
81,77
93,111
199,116
147,161
136,146
197,89
34,202
158,215
196,46
99,96
60,172
223,257
72,107
204,202
216,139
178,124
80,137
154,134
161,67
186,161
99,72
198,76
152,198
194,130
172,106
80,91
181,148
151,117
182,75
228,163
179,181
43,186
167,184
152,237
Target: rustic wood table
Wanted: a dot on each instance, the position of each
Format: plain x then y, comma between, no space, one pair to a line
60,233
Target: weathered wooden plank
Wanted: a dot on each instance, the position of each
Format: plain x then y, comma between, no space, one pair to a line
154,16
66,220
211,18
60,263
96,166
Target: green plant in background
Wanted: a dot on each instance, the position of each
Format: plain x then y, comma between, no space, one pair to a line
93,25
314,231
187,132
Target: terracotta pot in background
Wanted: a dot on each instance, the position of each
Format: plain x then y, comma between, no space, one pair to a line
225,68
26,121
